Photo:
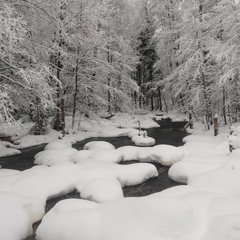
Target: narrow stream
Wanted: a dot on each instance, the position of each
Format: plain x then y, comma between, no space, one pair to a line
168,133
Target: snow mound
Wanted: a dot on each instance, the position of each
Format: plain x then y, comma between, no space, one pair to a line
167,155
52,156
129,152
4,151
133,174
98,145
81,155
15,223
94,172
58,144
106,155
143,218
135,132
184,170
143,141
140,138
102,190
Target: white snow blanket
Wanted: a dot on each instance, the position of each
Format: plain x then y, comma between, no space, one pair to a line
163,154
206,209
128,219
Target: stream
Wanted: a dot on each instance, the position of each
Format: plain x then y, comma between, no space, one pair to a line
169,133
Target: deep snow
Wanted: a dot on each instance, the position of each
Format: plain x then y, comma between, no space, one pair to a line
207,208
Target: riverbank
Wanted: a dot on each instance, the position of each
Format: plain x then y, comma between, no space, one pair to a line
24,161
117,126
206,208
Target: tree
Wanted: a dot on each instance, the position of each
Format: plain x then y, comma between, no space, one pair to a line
226,21
192,77
24,81
166,22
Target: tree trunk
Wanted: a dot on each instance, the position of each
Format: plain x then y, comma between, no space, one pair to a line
224,106
215,121
203,70
75,96
63,117
109,59
57,123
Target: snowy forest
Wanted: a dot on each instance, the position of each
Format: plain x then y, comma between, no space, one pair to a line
69,57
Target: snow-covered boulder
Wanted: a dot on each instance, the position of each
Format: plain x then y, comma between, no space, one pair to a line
167,155
5,151
102,190
15,223
129,152
98,145
133,174
135,132
184,170
58,144
52,156
144,141
128,218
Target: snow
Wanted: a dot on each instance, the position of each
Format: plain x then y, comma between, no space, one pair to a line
166,155
143,141
52,156
207,208
15,223
102,190
140,138
120,125
162,153
128,218
98,145
58,144
5,151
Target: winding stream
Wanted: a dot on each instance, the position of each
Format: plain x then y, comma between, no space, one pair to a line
168,133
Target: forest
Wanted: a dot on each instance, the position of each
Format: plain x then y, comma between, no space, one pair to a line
80,57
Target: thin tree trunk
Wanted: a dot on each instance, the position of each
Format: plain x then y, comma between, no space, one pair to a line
63,116
76,89
165,103
203,70
109,59
160,99
224,106
57,124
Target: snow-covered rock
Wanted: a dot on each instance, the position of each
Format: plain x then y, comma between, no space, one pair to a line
167,155
144,141
98,145
52,156
5,151
102,190
129,219
58,144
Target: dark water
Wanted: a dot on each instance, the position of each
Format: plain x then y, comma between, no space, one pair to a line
22,161
168,133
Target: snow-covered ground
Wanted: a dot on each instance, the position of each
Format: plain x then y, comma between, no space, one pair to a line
207,208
